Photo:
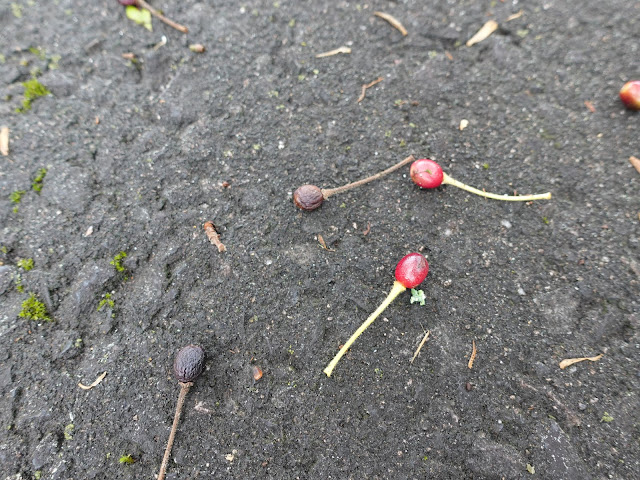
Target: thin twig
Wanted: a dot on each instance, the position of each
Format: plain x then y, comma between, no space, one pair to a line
95,382
570,361
473,354
514,16
336,51
4,141
368,85
635,162
424,339
161,17
484,32
212,235
327,192
394,23
184,389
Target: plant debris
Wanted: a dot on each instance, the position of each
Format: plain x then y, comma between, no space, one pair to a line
323,244
424,339
473,354
366,86
367,230
141,16
514,16
213,236
570,361
417,296
127,460
143,5
335,51
4,141
95,382
256,371
635,162
392,21
486,30
197,48
590,106
606,417
464,123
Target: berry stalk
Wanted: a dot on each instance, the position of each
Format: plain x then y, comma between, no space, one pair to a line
184,389
507,198
310,197
396,290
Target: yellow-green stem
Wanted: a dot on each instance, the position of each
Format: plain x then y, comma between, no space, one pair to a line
507,198
397,289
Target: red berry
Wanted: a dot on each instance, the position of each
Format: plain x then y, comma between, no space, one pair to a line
426,173
630,94
411,270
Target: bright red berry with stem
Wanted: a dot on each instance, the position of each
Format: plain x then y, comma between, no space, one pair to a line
411,270
630,94
310,197
428,174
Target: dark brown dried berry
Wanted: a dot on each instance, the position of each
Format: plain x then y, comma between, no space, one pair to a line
189,363
308,197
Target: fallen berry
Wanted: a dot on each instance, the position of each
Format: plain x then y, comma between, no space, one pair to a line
428,174
630,94
411,270
187,366
310,197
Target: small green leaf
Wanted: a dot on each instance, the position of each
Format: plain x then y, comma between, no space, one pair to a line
531,469
127,459
417,296
141,16
606,418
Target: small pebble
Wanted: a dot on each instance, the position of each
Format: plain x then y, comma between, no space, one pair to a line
257,372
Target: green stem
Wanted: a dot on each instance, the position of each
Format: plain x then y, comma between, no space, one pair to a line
397,289
508,198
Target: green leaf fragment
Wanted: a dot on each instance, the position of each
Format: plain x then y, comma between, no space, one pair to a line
606,418
418,296
141,16
126,459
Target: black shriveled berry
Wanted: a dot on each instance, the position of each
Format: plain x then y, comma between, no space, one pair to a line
189,363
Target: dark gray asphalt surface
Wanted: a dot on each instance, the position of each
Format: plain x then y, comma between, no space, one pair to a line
136,154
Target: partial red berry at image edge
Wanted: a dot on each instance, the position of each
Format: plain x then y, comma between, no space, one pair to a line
630,94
